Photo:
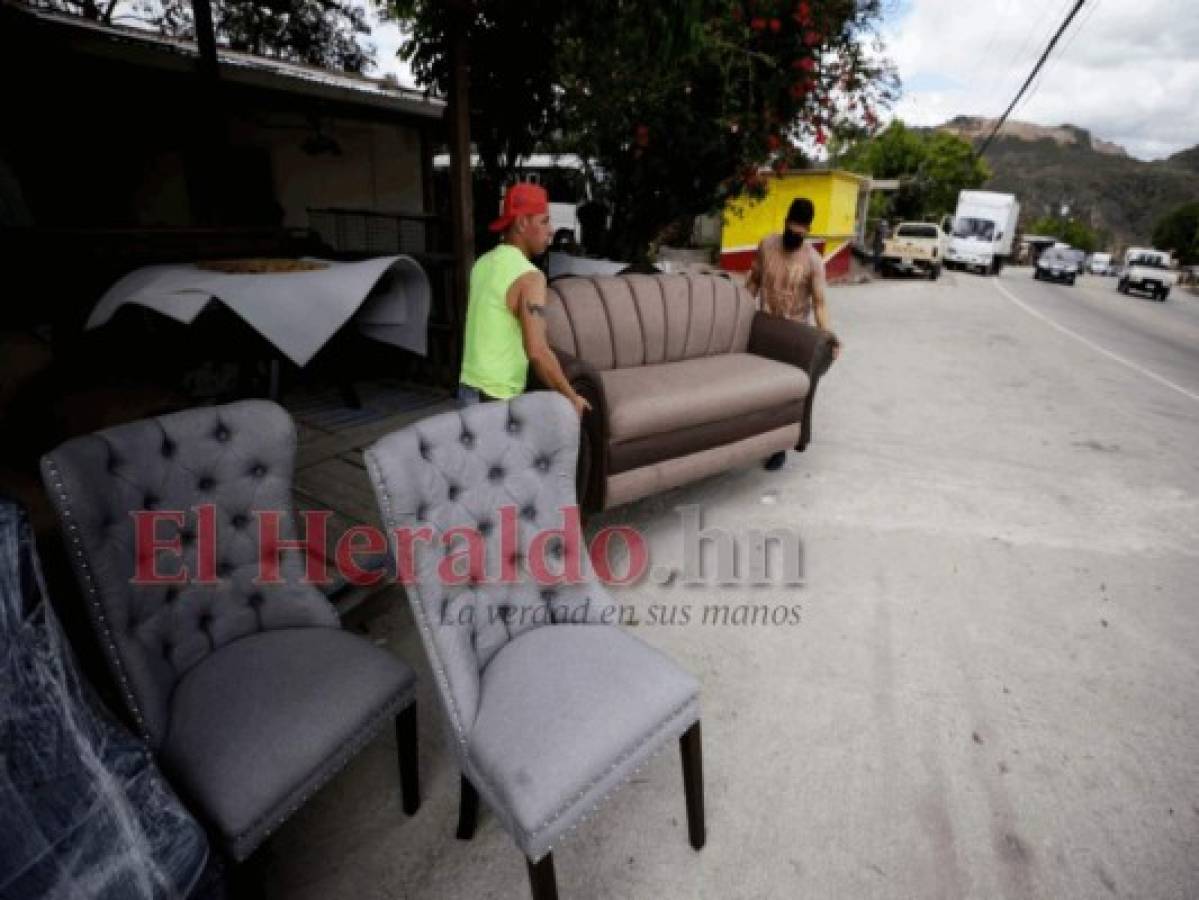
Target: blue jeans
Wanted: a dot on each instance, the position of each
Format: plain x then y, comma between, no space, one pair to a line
469,396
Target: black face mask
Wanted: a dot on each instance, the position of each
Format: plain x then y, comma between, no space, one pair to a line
791,240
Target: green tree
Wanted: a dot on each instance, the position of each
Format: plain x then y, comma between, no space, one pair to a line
514,101
932,168
1069,231
324,33
679,102
1178,232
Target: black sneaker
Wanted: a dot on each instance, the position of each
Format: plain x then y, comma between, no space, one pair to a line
775,462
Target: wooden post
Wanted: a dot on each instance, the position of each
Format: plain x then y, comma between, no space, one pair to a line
205,38
205,158
461,194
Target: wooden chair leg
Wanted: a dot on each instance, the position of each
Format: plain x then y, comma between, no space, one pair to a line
409,766
541,878
691,749
468,811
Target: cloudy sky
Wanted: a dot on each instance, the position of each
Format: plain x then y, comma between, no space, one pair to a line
1127,70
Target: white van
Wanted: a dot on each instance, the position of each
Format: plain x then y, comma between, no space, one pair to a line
1100,264
564,178
1148,270
984,227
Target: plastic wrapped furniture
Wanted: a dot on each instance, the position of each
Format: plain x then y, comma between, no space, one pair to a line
84,812
549,709
250,695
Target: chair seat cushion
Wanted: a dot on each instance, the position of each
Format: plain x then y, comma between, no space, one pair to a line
567,713
649,400
263,722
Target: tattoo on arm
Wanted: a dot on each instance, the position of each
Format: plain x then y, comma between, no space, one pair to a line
535,309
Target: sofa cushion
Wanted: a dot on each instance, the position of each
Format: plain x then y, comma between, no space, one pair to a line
261,724
666,397
566,714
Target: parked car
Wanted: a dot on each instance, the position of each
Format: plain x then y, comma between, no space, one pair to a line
1147,270
917,248
1101,264
1057,264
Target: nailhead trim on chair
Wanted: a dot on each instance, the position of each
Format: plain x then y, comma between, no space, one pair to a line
324,774
81,564
600,801
418,608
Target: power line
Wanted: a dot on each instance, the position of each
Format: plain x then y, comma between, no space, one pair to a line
1082,23
1049,49
1018,59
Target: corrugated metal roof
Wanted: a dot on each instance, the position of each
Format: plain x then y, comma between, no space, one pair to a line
247,68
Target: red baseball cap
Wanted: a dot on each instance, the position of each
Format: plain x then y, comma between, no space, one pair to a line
521,199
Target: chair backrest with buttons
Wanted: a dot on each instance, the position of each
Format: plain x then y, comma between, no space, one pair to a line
499,476
236,459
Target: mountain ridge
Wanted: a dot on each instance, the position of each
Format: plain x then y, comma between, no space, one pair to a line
1051,168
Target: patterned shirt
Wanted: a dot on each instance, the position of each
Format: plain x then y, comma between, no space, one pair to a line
785,281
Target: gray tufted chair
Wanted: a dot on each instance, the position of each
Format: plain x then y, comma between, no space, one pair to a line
251,695
549,708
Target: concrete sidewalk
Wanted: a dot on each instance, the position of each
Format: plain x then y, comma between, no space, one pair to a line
992,688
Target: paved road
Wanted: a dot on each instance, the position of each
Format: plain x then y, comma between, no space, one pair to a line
1161,337
994,688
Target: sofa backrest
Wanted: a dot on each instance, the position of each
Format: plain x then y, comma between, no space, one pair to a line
617,321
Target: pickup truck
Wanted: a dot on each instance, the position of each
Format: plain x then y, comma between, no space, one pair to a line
1147,270
918,247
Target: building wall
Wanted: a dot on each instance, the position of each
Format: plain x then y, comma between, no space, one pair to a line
113,146
378,167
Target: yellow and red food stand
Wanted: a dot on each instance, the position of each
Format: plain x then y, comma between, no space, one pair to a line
837,196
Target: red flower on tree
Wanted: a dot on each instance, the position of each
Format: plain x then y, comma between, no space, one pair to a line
757,23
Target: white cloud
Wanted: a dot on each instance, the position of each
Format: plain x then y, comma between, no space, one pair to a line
1128,72
386,38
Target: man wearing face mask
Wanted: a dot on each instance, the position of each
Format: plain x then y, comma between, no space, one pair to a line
788,279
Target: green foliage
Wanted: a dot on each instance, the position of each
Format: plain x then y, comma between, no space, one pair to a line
679,102
1178,232
1070,231
324,33
513,58
933,168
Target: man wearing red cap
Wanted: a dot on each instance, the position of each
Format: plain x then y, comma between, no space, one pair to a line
505,315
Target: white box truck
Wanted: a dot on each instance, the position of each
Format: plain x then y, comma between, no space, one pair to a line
984,228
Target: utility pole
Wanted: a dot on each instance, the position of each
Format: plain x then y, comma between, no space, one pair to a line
461,184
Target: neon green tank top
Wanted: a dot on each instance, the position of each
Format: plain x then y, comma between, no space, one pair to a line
493,352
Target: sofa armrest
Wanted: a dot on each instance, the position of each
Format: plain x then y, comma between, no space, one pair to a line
592,475
804,346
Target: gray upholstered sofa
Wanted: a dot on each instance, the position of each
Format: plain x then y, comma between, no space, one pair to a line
685,376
